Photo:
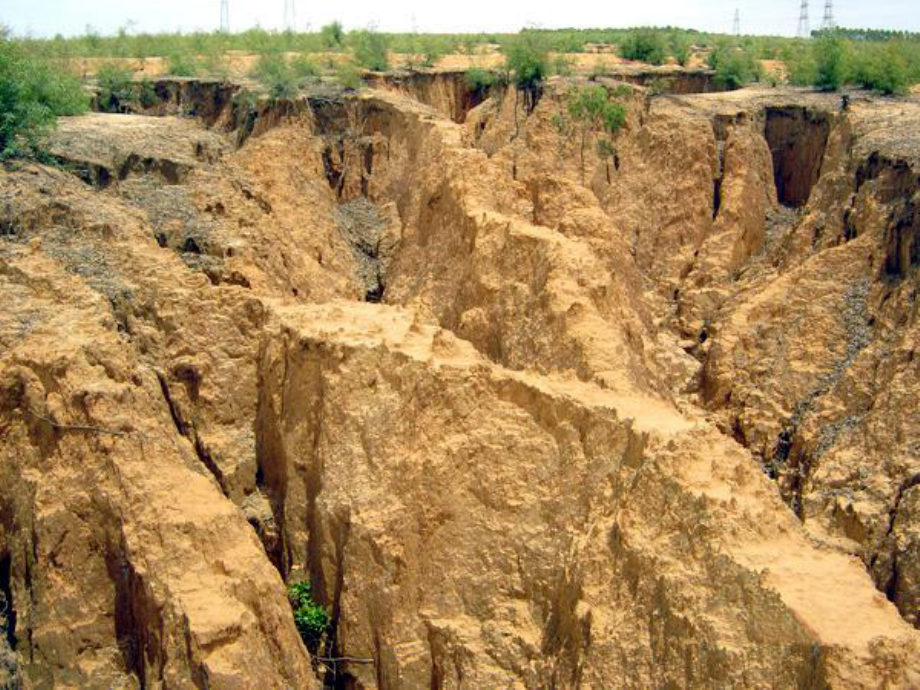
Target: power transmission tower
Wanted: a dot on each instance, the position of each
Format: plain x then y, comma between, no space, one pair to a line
804,27
225,16
736,25
828,24
290,15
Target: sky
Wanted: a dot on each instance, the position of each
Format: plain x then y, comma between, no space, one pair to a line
68,17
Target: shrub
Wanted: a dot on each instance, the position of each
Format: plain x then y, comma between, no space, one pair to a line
527,60
116,86
734,67
644,45
371,49
180,64
598,70
214,64
147,94
829,59
273,71
332,36
800,66
562,66
432,51
311,619
348,76
481,80
303,67
592,106
680,49
882,68
32,96
893,79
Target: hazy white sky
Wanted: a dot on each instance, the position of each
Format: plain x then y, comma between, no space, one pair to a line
47,17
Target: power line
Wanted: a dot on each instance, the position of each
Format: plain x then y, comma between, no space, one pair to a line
225,16
804,30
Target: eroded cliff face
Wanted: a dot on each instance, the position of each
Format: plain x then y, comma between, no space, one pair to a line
522,418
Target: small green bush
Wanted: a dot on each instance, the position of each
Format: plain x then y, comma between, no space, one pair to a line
273,71
304,68
348,75
180,64
562,66
644,45
371,49
734,66
481,80
332,36
432,51
116,86
147,93
311,619
214,64
680,49
598,70
32,96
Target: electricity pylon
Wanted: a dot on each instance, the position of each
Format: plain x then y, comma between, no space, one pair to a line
736,25
225,16
828,24
804,28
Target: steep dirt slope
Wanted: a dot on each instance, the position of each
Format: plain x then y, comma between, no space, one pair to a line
785,263
472,524
540,461
126,564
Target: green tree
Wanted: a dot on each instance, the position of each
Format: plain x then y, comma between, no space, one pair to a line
592,110
829,58
32,96
893,77
882,67
527,60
